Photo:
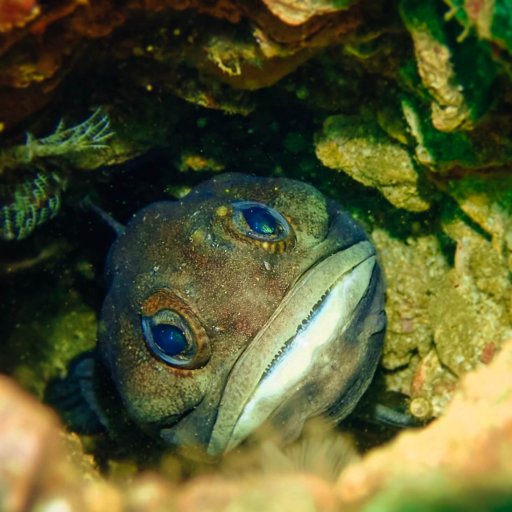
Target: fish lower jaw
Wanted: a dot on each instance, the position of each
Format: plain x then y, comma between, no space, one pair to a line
309,351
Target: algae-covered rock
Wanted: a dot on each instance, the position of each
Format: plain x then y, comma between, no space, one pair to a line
416,270
431,387
488,146
478,295
487,200
458,75
359,147
48,329
413,270
490,19
443,321
434,149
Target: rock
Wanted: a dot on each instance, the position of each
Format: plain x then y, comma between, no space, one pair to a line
296,12
432,387
490,19
486,147
468,450
33,456
357,146
460,96
17,13
301,493
412,270
471,313
487,200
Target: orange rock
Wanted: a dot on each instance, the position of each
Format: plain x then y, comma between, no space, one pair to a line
29,439
470,443
17,13
297,492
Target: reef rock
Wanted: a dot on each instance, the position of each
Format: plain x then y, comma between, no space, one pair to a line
359,147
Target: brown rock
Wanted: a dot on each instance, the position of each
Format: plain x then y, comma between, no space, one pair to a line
17,13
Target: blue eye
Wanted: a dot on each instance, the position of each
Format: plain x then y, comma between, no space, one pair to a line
260,222
173,332
169,338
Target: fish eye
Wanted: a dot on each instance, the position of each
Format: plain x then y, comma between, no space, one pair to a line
260,222
170,338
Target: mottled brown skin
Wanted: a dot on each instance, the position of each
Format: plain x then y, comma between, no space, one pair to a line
187,251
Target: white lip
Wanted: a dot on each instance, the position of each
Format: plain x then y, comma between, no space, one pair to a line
311,317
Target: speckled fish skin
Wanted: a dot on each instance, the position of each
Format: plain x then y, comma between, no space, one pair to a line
240,293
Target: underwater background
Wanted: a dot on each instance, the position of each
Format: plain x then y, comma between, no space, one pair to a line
399,110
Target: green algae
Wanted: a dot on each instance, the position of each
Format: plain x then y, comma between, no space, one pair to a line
49,329
501,24
358,146
458,74
435,149
443,495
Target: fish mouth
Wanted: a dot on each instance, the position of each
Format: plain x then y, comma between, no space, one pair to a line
303,331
